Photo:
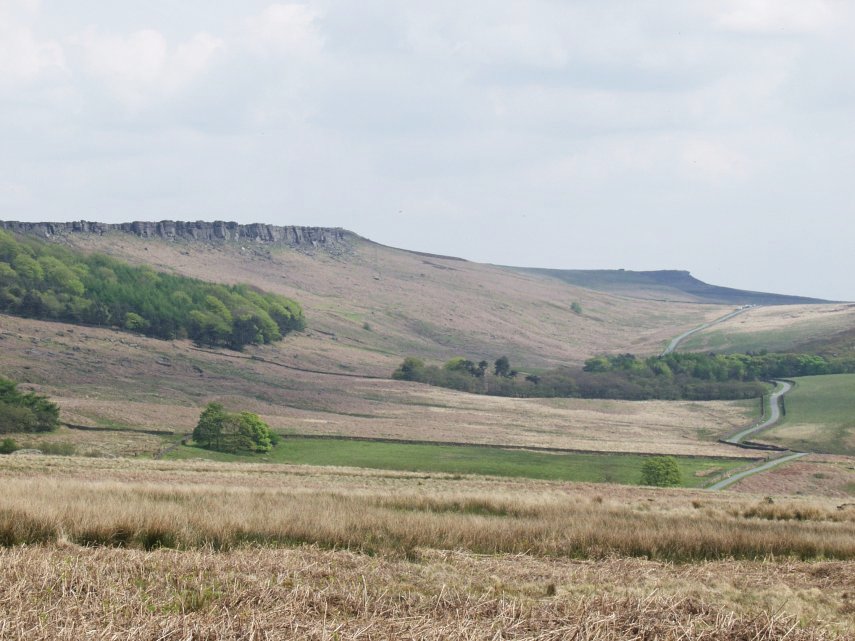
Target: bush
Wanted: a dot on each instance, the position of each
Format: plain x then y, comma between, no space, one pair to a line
8,445
661,471
25,412
225,431
58,449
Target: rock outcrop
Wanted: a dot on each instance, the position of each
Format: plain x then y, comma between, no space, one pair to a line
217,231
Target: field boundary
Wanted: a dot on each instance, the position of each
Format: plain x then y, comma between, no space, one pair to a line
97,428
496,446
261,359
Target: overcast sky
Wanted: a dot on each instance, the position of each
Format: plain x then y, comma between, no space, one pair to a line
716,136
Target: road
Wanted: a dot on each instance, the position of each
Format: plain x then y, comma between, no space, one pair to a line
679,339
774,415
754,470
736,439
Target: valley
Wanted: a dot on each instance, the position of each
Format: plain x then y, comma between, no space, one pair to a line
372,476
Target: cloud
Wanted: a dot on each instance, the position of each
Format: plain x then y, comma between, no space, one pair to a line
24,56
141,68
775,16
284,29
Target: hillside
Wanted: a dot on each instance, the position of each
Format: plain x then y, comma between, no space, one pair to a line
667,285
369,304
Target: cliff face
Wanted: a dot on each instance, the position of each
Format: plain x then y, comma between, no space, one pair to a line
217,231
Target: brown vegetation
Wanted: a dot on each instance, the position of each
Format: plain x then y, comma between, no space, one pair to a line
70,593
151,504
106,378
428,306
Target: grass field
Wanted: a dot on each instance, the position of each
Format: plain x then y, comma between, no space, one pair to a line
190,504
593,468
774,328
820,416
110,549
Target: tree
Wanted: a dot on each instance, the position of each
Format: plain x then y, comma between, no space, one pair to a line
576,307
502,366
25,412
661,471
209,429
225,431
411,369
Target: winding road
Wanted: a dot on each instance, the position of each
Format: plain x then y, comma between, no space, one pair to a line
774,415
739,437
679,339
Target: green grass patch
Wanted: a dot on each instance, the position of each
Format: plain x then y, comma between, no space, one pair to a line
722,340
583,467
820,415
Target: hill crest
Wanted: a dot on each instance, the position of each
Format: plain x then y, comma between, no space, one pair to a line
331,238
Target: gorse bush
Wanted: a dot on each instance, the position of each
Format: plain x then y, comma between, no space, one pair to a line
25,412
42,280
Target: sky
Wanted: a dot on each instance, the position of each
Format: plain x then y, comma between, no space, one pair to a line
714,136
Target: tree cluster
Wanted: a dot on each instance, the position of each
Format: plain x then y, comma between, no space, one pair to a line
458,373
25,412
622,377
723,367
43,280
232,432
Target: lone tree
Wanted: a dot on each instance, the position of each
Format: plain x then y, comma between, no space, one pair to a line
232,432
661,471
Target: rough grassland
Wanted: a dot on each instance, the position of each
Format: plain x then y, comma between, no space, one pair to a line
423,305
113,379
293,552
186,504
71,593
820,416
592,468
774,328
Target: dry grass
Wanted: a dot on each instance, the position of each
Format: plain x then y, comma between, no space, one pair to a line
107,594
825,475
153,504
424,305
776,328
108,378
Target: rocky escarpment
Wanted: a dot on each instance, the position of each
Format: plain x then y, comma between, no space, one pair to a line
217,231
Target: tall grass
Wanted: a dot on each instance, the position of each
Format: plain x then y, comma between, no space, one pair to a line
223,516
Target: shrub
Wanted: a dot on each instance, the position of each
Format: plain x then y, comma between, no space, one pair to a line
661,471
25,412
8,445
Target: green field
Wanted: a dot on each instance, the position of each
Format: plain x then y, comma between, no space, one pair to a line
594,468
722,340
820,415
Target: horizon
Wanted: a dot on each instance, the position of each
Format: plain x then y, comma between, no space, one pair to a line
423,251
713,136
